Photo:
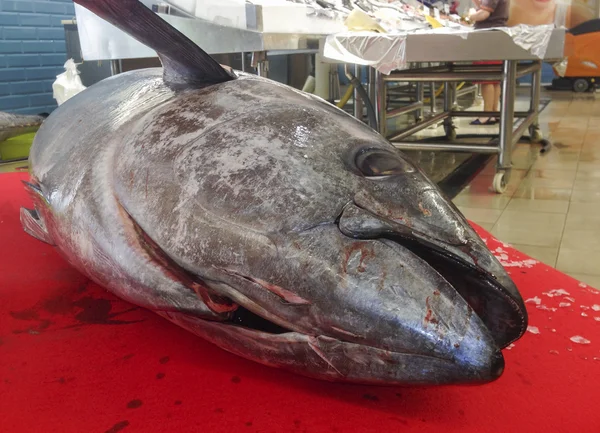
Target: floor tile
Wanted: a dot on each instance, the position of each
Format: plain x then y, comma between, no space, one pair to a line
561,179
550,206
578,261
591,280
585,196
488,201
542,193
583,220
586,208
588,166
530,228
481,215
578,238
545,255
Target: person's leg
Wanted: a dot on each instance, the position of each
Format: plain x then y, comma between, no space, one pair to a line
496,106
487,92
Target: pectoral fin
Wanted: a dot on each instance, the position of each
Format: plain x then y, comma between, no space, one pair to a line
34,226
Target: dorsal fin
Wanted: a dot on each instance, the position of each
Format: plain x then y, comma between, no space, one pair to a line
184,63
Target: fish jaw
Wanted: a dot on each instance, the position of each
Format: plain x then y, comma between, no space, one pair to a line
334,360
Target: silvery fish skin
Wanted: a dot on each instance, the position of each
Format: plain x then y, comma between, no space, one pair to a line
274,225
13,125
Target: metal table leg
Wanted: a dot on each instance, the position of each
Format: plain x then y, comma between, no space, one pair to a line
358,103
380,102
433,99
536,84
507,111
449,127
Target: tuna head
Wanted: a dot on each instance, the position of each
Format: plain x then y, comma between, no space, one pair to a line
319,247
316,245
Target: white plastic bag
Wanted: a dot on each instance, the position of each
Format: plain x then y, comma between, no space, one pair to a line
67,84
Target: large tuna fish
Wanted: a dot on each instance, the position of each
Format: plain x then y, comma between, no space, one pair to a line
266,221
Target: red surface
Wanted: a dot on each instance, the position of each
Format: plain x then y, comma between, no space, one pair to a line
73,358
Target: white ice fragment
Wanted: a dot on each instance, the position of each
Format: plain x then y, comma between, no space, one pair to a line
553,330
554,352
564,304
570,349
583,307
535,300
584,315
556,292
529,263
543,307
500,250
597,319
567,298
582,285
306,156
510,346
533,329
596,307
579,339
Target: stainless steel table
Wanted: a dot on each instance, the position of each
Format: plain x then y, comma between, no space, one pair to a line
452,50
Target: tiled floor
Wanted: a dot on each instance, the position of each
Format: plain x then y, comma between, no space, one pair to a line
551,210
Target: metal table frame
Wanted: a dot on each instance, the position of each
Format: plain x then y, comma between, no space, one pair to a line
449,74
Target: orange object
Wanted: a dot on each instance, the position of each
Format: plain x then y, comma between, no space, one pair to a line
583,56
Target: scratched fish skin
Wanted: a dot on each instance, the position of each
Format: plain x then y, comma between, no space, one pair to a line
274,225
13,125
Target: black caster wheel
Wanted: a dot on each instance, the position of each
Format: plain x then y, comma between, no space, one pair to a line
450,131
535,134
546,146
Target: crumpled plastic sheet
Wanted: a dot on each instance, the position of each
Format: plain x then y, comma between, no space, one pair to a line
533,39
387,52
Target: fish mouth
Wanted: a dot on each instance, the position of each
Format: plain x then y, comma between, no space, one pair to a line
468,266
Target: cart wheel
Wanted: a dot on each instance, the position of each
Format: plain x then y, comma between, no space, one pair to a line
450,131
581,85
546,145
535,133
499,183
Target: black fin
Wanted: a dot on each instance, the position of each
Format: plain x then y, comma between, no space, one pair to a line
184,63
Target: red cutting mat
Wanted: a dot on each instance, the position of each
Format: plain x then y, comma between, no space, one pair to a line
74,358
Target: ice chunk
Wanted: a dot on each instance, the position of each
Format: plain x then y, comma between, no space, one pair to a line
554,352
584,315
583,307
556,292
582,285
564,304
553,330
535,300
510,346
543,307
567,298
596,307
533,329
579,339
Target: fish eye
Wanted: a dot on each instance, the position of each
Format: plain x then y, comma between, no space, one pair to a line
380,163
